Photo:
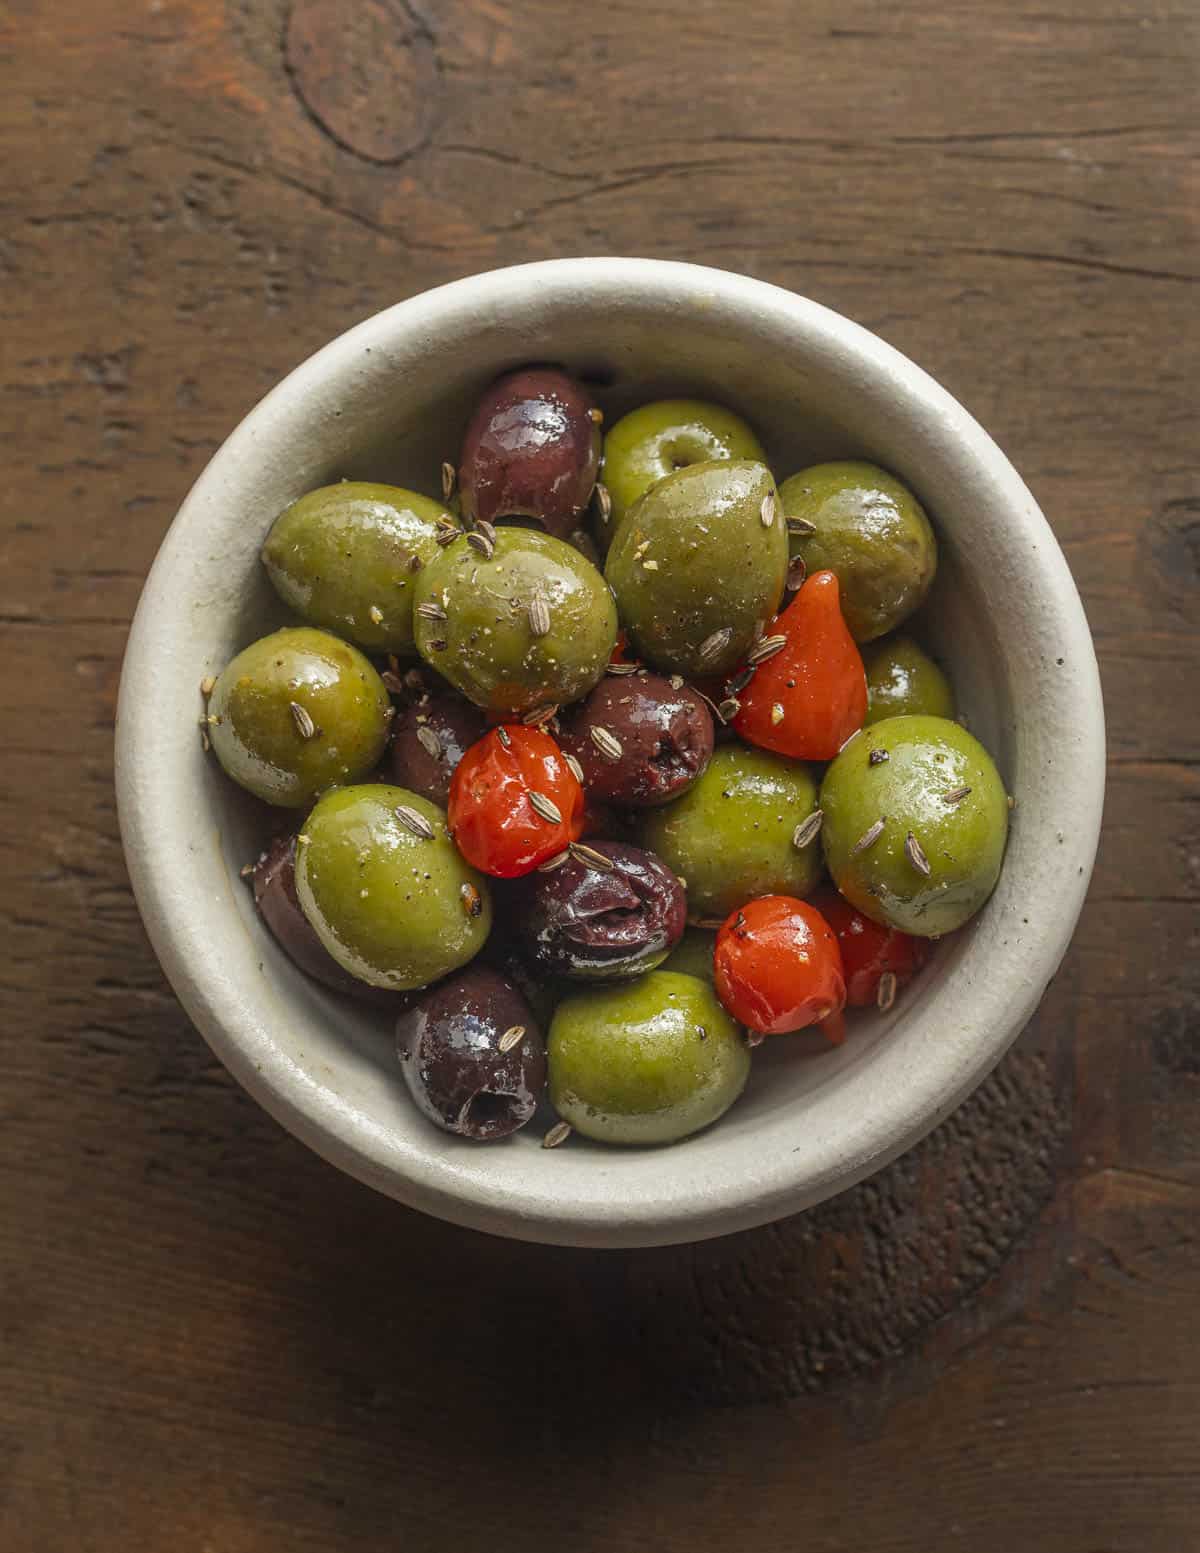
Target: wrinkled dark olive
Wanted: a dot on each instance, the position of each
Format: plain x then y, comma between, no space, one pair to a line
639,740
448,1040
428,741
593,923
274,882
531,450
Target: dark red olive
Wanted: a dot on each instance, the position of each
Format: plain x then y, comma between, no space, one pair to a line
450,1042
606,919
274,882
531,451
428,740
641,739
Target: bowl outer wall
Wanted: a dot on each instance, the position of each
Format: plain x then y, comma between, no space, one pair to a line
866,1103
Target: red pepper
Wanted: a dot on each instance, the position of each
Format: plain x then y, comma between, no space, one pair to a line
870,950
806,699
777,966
514,801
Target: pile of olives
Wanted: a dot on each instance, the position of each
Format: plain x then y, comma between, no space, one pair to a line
607,765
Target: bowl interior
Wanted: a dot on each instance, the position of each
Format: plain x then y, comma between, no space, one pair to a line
389,402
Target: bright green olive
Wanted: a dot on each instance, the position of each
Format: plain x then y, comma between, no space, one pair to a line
914,840
902,680
346,557
699,565
654,441
649,1061
530,624
731,835
387,891
871,531
297,712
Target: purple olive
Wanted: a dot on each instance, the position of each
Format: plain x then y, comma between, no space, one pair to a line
641,739
531,450
472,1055
428,741
274,881
607,919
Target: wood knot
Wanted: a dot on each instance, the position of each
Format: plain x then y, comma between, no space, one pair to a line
367,74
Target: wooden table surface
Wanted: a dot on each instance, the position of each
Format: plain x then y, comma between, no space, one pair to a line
213,1341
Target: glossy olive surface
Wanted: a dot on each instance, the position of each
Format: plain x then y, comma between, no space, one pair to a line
449,1040
345,557
937,786
484,629
871,531
698,566
655,440
531,451
648,1061
395,906
904,681
584,921
296,712
731,836
641,739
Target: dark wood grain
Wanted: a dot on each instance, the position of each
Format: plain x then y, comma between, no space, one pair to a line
212,1341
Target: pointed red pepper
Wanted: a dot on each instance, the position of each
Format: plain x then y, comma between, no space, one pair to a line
806,699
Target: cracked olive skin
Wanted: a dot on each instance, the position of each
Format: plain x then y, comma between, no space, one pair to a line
654,441
487,646
449,726
345,558
646,1061
259,740
588,924
665,737
963,842
903,681
531,451
448,1041
274,882
696,572
872,533
730,836
395,908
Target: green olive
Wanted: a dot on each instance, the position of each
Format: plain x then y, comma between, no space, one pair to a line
915,840
872,532
693,954
345,558
531,624
903,680
297,712
649,1061
699,565
654,441
387,891
731,835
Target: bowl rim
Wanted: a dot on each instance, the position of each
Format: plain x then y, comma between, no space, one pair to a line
774,1187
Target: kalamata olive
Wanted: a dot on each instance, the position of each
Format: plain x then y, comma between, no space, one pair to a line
640,738
465,1064
274,882
428,741
531,450
610,911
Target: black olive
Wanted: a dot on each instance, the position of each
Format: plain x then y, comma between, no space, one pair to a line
472,1055
428,741
274,882
587,921
641,739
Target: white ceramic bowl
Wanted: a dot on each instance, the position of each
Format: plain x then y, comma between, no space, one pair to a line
388,401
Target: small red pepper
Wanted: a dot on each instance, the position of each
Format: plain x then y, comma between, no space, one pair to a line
514,801
806,699
777,966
